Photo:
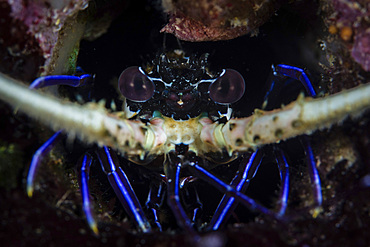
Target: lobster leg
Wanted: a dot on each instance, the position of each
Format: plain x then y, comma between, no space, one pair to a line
37,159
49,144
203,174
172,170
314,174
74,81
299,74
247,169
280,73
155,201
84,171
122,187
241,182
70,80
284,177
190,198
117,178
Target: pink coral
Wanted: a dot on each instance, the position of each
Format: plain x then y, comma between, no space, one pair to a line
354,16
44,20
361,49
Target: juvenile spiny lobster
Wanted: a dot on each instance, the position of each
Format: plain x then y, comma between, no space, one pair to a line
178,113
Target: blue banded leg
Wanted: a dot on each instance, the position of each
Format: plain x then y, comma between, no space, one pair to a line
172,168
284,178
122,188
299,74
84,171
314,174
190,198
44,149
37,159
247,170
280,73
155,201
227,189
69,80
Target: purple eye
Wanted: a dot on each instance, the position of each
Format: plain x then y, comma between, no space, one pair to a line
228,88
135,85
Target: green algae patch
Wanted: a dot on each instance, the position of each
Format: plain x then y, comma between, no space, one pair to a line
11,165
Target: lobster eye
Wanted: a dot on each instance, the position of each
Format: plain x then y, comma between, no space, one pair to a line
228,88
135,85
